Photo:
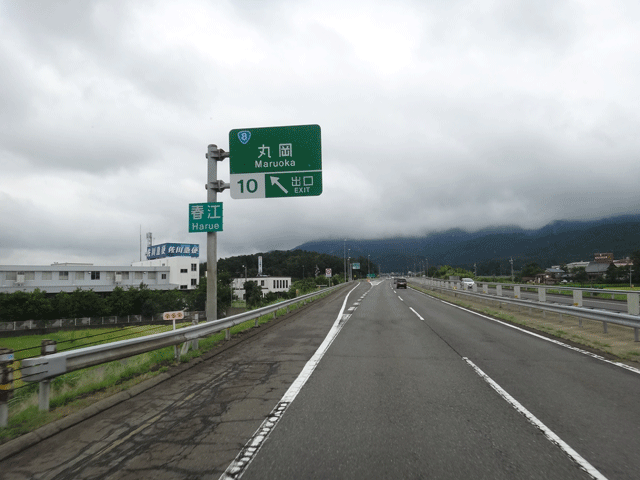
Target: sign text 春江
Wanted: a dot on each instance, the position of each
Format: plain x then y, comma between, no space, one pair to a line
205,217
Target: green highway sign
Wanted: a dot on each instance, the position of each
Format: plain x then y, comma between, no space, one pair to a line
355,266
205,217
275,162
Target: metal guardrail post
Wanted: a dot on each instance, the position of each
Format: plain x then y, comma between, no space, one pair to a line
485,289
6,384
44,393
194,342
577,298
633,304
516,291
499,290
542,294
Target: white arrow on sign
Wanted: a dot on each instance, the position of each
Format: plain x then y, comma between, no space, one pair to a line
274,181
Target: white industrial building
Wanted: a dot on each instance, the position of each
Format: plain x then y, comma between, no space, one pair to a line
268,284
168,266
68,277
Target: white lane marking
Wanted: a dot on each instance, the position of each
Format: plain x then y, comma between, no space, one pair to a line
541,337
251,448
418,315
555,439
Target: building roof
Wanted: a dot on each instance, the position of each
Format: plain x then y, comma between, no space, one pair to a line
597,267
554,270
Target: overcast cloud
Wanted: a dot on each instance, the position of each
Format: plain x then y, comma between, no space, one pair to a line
433,114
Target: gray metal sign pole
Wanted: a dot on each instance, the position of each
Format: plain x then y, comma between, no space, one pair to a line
214,155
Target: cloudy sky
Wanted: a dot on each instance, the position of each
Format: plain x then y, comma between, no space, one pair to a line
434,115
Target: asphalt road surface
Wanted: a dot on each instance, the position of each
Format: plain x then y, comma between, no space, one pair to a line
387,385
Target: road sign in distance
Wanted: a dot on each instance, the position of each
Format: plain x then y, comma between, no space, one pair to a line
205,217
275,162
179,315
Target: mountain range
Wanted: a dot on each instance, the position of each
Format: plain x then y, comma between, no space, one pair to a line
489,250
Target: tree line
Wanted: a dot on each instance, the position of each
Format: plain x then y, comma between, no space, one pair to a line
38,305
297,264
307,270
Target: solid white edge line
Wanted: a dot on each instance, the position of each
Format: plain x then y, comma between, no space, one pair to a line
541,337
575,456
417,314
246,455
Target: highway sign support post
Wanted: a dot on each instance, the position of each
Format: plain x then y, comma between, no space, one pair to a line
213,155
264,163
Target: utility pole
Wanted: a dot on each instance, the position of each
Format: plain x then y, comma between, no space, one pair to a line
213,156
344,257
511,262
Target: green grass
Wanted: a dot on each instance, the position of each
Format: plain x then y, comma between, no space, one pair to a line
27,346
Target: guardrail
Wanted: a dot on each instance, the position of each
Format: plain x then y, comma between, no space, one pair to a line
578,294
44,368
576,310
19,327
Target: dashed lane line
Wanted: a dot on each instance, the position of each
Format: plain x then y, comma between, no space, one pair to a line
417,314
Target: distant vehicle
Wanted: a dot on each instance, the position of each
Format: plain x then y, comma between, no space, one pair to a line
401,283
467,283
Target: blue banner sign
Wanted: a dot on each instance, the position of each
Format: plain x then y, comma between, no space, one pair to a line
173,250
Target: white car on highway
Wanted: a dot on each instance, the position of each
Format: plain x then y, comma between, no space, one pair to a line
467,283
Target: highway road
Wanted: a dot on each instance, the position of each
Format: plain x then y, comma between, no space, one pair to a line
368,383
400,394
